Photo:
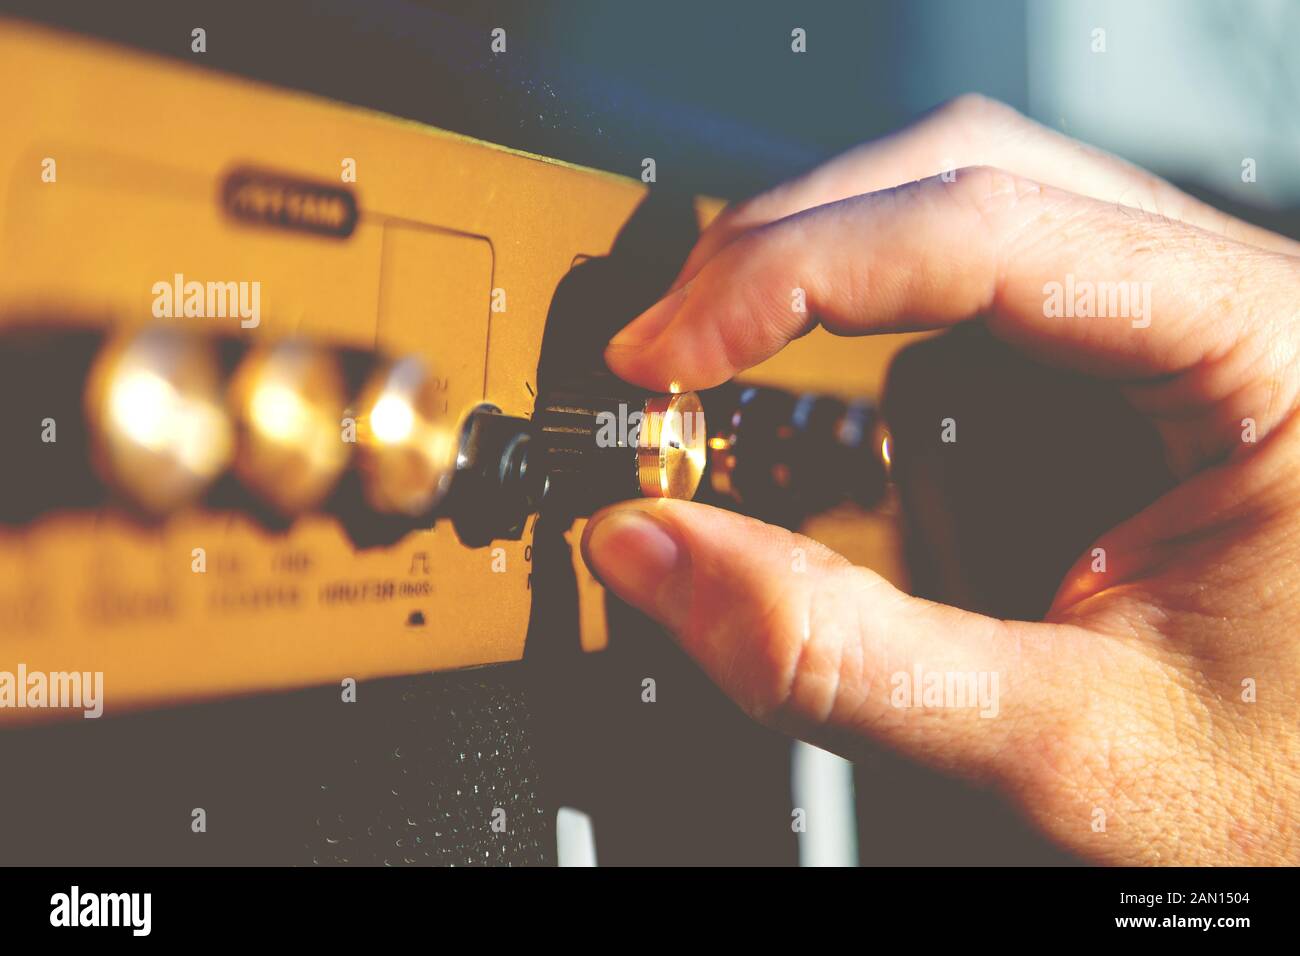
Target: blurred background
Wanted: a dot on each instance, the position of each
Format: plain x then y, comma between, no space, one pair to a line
1188,88
1191,89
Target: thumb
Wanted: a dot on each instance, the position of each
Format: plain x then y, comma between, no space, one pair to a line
802,639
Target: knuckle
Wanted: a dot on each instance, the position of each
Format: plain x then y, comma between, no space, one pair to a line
988,190
756,280
976,109
812,650
779,643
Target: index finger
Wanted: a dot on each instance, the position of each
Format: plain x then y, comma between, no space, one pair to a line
934,253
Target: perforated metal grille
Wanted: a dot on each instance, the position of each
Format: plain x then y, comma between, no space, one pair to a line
440,772
409,774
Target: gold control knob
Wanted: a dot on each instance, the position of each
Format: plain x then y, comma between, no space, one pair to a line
158,424
287,401
407,438
597,449
671,446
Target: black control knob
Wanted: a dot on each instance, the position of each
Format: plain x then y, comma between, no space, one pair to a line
597,449
783,456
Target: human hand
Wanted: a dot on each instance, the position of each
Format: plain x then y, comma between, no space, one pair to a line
1157,696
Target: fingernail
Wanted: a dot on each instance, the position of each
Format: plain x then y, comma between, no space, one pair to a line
647,326
641,560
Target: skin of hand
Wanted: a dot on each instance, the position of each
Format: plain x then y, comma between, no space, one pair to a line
1158,696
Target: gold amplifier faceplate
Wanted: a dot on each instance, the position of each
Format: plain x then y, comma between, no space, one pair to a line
112,166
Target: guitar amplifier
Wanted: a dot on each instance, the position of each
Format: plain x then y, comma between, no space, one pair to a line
302,406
